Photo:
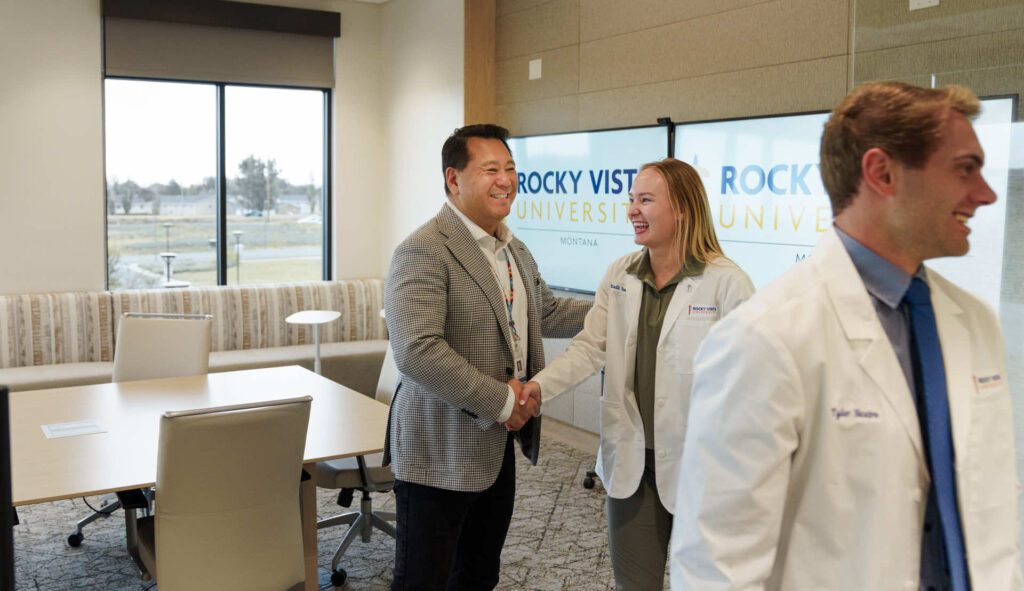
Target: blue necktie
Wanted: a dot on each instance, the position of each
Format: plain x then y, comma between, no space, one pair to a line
932,384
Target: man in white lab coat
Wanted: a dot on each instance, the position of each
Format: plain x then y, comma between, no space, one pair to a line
851,426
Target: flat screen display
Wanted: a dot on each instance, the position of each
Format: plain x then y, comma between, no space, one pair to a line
770,207
573,196
764,187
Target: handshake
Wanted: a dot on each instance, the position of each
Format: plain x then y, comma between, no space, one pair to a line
527,403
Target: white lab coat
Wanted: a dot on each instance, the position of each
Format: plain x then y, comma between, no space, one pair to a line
804,463
609,338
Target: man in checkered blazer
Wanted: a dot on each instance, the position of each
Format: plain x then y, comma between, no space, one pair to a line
466,309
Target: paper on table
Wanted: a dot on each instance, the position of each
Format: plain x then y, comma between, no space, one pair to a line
72,428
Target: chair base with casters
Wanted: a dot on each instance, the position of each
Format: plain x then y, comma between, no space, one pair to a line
130,499
110,504
351,474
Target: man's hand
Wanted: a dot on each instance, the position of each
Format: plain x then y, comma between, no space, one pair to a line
530,390
524,408
517,387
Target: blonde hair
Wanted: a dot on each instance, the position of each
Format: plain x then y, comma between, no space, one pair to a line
904,120
695,229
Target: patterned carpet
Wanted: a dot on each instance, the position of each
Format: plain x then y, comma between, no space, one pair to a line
557,539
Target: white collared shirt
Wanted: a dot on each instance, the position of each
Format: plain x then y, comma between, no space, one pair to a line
495,250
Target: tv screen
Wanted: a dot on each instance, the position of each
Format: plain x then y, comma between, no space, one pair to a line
573,195
761,175
764,186
770,207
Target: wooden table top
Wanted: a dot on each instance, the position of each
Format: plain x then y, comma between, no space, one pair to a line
342,423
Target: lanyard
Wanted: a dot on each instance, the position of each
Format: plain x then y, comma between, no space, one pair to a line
511,297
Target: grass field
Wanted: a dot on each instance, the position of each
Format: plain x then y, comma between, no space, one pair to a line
134,241
262,271
146,234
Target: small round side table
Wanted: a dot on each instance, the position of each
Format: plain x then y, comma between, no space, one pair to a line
315,318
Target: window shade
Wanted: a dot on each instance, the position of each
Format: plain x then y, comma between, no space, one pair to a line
135,47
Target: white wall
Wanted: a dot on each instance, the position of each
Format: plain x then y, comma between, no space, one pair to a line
422,82
359,119
51,167
398,94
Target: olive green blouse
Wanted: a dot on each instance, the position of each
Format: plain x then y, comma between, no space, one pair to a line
653,306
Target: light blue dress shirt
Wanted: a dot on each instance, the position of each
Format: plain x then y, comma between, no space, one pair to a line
886,283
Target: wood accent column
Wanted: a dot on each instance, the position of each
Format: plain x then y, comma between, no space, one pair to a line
479,61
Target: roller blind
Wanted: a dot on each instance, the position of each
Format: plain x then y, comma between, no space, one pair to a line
234,49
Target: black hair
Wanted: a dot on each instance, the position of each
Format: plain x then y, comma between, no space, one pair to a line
455,153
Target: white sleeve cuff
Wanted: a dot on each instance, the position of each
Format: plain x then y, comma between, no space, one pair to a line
510,402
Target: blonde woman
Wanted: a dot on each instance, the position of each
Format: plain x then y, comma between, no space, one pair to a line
651,312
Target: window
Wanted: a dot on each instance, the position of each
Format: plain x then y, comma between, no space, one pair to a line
194,202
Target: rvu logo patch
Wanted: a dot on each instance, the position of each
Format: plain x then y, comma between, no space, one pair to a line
701,311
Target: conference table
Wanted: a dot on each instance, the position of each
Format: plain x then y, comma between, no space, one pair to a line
342,423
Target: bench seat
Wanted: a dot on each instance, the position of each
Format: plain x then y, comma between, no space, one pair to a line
52,340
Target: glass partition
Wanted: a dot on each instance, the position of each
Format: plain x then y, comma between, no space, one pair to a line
979,45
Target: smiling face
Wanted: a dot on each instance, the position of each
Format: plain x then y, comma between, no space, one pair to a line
485,189
650,211
935,202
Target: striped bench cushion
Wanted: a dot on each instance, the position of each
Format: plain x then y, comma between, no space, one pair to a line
51,328
252,317
234,310
359,301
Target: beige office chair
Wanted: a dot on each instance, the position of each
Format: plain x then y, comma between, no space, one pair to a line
162,346
152,346
227,510
362,473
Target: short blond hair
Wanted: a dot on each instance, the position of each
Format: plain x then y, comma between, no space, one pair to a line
904,120
695,229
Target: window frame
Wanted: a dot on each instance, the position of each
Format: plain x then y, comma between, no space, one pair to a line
221,218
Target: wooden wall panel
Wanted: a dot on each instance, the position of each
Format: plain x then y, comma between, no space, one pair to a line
560,68
748,38
551,115
479,61
634,60
547,26
801,86
884,24
506,7
1004,48
607,18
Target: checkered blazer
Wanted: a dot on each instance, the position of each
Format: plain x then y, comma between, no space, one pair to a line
449,332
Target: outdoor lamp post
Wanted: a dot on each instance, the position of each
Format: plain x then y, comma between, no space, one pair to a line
238,256
170,281
168,258
167,229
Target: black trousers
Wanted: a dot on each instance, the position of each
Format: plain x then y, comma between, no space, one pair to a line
452,540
